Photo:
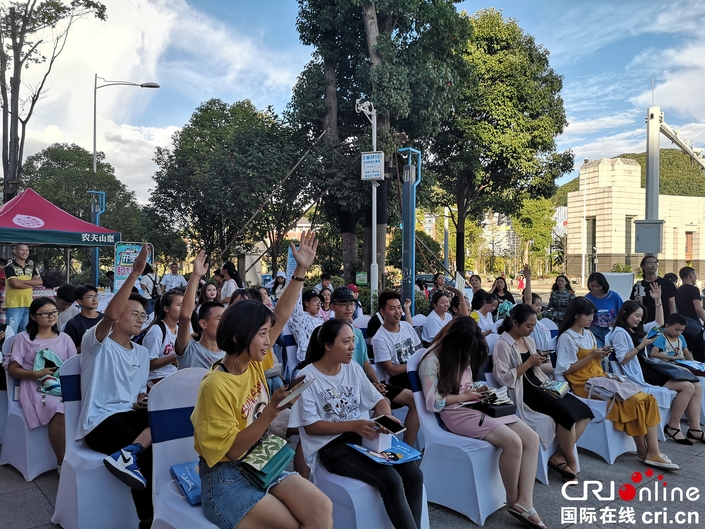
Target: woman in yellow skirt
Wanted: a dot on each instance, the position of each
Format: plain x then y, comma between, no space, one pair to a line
579,359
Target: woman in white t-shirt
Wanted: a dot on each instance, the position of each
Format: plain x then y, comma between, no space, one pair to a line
231,282
483,316
161,337
438,318
332,412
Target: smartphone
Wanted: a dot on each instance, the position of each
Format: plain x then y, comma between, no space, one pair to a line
295,382
144,400
391,425
653,332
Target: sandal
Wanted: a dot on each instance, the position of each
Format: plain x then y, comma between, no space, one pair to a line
524,515
691,435
564,470
675,431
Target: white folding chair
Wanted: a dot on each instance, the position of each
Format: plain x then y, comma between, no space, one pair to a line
361,322
29,451
551,325
356,504
418,320
289,353
88,495
460,473
171,403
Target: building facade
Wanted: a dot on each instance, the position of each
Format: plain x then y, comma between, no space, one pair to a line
601,217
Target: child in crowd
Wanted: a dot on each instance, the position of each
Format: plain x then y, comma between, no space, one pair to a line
161,337
114,374
204,351
34,358
333,412
87,299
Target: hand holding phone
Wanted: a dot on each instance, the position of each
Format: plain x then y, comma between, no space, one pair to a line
389,424
295,382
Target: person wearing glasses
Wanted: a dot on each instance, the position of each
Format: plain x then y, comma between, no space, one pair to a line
40,392
640,292
114,373
87,298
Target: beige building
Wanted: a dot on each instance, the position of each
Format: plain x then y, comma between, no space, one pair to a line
611,199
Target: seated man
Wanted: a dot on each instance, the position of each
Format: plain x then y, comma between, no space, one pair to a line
65,302
76,327
114,374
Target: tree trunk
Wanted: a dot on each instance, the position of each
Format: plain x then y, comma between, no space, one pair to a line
348,230
330,120
460,241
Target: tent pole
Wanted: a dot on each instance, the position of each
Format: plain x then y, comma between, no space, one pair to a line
68,265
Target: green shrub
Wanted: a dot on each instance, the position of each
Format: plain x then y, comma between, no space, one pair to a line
422,305
621,268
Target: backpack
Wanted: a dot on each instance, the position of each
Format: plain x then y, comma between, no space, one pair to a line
140,337
154,294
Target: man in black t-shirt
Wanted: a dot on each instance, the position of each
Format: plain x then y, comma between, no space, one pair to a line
76,327
690,305
640,292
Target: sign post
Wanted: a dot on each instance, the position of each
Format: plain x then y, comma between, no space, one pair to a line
125,255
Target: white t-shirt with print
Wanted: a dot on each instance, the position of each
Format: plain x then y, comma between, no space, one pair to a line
111,379
159,347
395,346
343,397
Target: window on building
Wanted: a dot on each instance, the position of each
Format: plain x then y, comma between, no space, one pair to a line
689,248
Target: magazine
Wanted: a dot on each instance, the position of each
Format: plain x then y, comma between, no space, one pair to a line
399,453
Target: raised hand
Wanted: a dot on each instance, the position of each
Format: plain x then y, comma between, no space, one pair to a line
655,291
141,260
306,252
200,267
407,304
527,272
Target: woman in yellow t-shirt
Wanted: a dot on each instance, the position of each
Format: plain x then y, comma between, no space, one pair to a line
234,411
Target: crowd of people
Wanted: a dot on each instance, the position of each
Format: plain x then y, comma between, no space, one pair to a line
228,329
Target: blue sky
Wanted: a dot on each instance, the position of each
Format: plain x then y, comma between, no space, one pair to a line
606,52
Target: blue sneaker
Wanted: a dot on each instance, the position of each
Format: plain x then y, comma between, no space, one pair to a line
123,465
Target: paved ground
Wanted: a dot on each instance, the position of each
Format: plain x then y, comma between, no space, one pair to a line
30,505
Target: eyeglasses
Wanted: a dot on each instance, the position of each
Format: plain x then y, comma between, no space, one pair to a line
47,315
94,297
346,304
139,316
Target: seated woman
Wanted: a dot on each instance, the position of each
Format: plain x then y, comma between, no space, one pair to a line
561,296
579,359
483,316
438,317
447,370
233,413
332,413
499,289
40,403
517,366
630,340
541,334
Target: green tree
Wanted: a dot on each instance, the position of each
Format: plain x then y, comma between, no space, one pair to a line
32,34
169,245
498,144
534,226
394,252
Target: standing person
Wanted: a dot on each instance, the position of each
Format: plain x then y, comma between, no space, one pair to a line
439,284
483,316
325,283
20,278
520,283
40,391
607,302
325,311
66,303
231,282
500,289
437,318
110,275
579,359
234,411
114,371
150,286
334,412
277,285
303,320
640,292
87,298
160,338
478,293
204,350
690,305
673,278
517,365
447,371
561,296
172,280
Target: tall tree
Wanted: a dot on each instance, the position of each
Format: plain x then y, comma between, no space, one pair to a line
32,34
498,144
534,225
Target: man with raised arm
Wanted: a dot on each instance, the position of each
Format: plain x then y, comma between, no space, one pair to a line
114,374
203,352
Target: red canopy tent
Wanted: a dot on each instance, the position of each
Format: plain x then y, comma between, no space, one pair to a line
33,219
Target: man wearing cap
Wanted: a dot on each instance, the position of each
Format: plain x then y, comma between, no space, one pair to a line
303,320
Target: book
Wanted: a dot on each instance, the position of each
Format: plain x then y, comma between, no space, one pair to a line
399,453
189,480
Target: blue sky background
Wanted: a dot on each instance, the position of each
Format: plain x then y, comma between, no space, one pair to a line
606,52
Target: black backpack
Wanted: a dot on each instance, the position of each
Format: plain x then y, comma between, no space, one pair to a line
140,337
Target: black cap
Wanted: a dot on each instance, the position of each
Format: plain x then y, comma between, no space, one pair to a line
342,294
309,295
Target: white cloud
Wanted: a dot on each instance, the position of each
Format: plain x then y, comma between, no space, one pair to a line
609,146
589,126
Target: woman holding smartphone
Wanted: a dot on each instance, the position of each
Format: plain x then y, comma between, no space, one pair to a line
332,412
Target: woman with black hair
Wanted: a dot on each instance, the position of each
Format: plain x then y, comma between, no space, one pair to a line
234,411
499,289
231,282
606,301
478,293
437,318
517,366
447,370
579,359
483,316
326,311
561,295
332,413
277,285
439,284
160,338
208,294
40,392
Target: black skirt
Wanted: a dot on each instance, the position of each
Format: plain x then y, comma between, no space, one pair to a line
566,411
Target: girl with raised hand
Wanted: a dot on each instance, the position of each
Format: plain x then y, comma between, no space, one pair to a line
234,411
332,413
40,392
579,360
454,359
517,366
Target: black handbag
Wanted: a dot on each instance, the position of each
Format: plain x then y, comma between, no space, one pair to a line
668,370
488,407
693,328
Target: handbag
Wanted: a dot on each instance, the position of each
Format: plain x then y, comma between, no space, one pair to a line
611,388
697,368
496,404
693,327
266,461
667,369
555,388
189,480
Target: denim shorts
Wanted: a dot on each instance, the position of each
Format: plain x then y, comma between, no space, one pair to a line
226,495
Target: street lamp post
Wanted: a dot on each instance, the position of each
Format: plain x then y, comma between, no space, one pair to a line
96,86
